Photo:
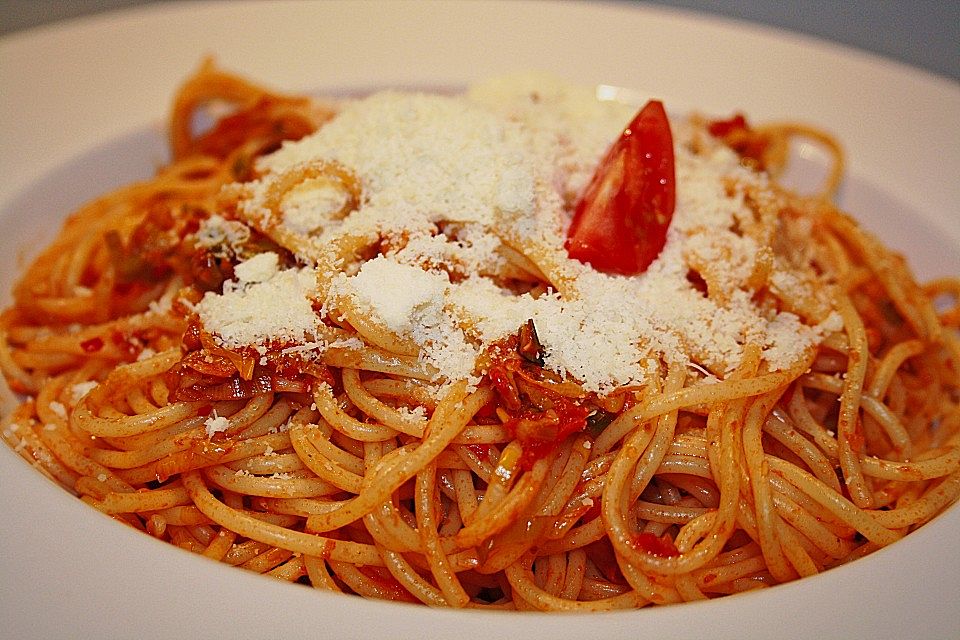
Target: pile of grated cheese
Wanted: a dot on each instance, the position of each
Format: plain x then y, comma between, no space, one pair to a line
447,184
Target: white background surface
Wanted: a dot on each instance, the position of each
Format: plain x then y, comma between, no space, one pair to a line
81,108
924,33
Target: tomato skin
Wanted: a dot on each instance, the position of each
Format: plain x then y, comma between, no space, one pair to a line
92,345
723,128
540,432
620,223
662,547
264,120
737,134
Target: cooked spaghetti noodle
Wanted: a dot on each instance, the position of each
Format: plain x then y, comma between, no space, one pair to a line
355,455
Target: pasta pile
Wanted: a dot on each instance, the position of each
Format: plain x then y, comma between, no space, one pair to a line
359,470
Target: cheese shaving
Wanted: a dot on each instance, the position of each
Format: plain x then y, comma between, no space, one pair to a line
452,186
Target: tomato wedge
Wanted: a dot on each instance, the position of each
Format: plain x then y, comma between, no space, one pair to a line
620,223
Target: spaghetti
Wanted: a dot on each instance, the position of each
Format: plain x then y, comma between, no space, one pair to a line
249,357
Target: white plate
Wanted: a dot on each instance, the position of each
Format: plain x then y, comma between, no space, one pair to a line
81,110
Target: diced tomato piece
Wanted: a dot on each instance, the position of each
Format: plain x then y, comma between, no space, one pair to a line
265,120
662,546
502,380
482,451
723,128
92,345
542,432
620,223
736,133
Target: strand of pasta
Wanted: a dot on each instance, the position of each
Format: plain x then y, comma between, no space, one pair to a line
250,527
776,154
617,495
889,270
450,417
491,521
383,413
776,426
834,502
407,576
871,406
523,584
768,520
849,435
440,567
322,466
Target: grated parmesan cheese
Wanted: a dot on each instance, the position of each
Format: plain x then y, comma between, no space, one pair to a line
278,308
216,424
58,409
311,206
80,389
259,268
224,237
451,185
395,293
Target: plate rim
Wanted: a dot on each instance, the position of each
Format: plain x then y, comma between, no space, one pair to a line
711,616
